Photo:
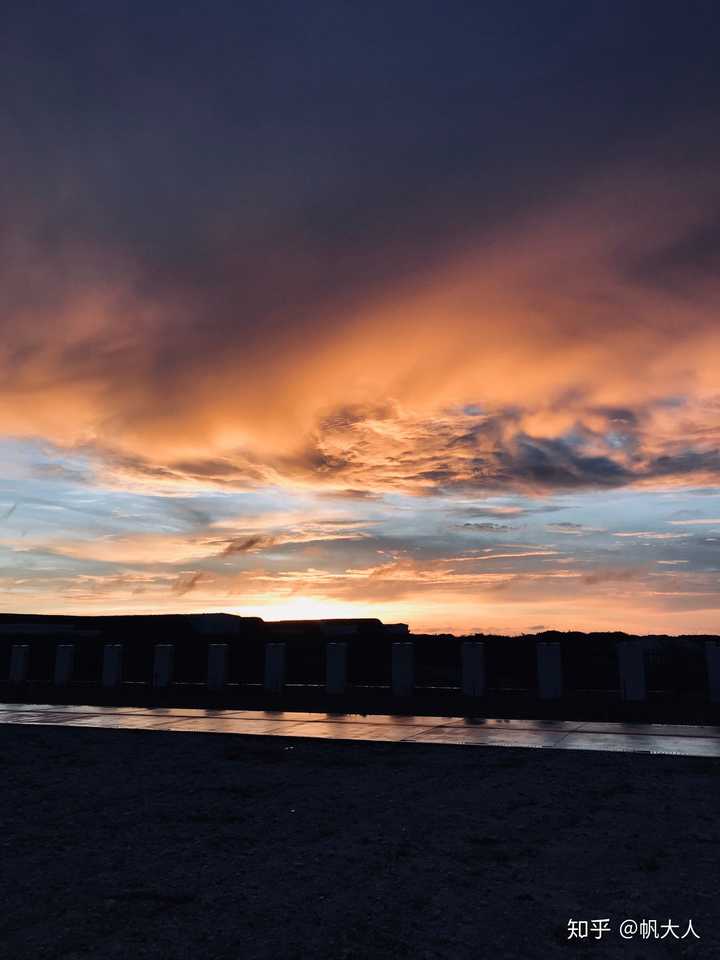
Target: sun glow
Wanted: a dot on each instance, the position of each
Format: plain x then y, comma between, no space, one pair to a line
304,608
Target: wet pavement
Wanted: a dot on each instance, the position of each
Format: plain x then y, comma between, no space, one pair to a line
703,741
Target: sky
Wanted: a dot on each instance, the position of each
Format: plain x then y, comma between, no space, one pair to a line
407,310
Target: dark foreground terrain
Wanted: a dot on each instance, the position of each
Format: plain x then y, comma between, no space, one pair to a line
171,845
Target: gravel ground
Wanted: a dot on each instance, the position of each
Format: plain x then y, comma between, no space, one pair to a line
133,844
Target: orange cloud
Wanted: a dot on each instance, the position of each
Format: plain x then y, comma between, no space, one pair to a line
579,320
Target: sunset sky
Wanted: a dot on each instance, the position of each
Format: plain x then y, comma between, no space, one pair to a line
408,310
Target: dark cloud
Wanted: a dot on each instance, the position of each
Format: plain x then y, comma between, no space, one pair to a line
686,260
187,582
9,512
613,574
558,464
339,140
248,544
684,463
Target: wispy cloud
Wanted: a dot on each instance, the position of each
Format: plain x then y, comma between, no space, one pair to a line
696,523
650,535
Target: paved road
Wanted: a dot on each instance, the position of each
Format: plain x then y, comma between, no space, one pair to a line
699,741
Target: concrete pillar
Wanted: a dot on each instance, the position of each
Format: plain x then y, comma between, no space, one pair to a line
336,667
549,669
163,664
631,663
64,662
712,660
403,669
473,668
217,666
275,666
112,665
19,663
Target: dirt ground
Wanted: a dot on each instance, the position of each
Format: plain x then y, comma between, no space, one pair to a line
128,844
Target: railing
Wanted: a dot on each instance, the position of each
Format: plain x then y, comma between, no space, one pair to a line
631,668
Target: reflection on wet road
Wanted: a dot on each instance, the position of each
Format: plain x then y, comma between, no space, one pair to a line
701,741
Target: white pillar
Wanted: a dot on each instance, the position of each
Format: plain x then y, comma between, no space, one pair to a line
631,662
19,663
473,668
712,660
549,669
217,665
163,664
64,661
336,667
112,665
275,666
403,669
